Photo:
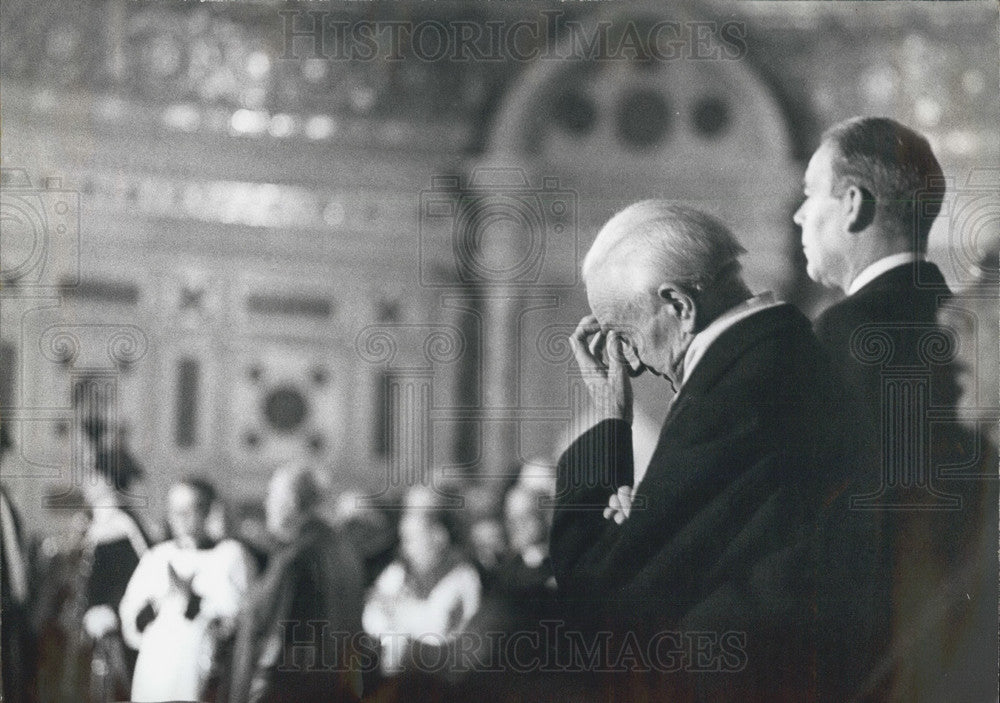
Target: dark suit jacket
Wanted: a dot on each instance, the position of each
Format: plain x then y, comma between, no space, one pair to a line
934,564
741,523
302,624
903,310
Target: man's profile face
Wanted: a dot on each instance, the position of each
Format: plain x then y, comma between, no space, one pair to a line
821,217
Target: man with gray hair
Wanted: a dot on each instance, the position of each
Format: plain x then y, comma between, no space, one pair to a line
740,526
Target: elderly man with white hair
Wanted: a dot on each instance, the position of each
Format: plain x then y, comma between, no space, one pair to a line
740,529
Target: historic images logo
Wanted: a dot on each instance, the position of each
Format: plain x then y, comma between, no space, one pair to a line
325,35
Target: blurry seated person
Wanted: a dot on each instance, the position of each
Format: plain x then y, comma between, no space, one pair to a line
483,524
508,631
430,592
182,601
368,529
524,579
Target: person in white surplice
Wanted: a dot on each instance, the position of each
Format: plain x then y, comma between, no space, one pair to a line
182,600
428,595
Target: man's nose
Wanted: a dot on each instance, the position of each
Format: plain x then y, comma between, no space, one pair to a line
797,216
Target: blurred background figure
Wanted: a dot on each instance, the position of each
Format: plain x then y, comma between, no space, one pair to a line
17,643
486,538
521,592
296,639
538,474
368,529
249,528
63,660
524,579
182,602
118,541
521,597
89,661
949,652
973,314
429,593
482,521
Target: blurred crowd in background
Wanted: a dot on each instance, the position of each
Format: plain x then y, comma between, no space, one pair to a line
303,596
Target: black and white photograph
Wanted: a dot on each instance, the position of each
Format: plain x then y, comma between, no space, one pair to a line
396,351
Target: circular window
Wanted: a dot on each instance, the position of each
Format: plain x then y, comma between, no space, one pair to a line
710,117
285,409
643,119
574,113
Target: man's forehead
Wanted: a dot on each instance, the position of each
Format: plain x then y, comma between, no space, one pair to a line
614,313
604,290
602,308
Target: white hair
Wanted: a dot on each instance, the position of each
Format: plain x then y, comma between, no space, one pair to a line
674,242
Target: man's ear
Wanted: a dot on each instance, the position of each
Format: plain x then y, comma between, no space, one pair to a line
859,206
679,304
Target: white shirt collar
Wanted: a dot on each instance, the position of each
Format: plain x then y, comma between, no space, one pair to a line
879,267
699,345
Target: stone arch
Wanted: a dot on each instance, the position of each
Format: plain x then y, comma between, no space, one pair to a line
697,123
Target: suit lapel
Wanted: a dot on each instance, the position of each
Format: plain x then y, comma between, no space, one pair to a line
725,351
734,342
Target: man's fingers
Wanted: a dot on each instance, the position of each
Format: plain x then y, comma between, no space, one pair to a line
584,341
586,327
614,508
595,344
616,357
624,497
619,505
633,366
